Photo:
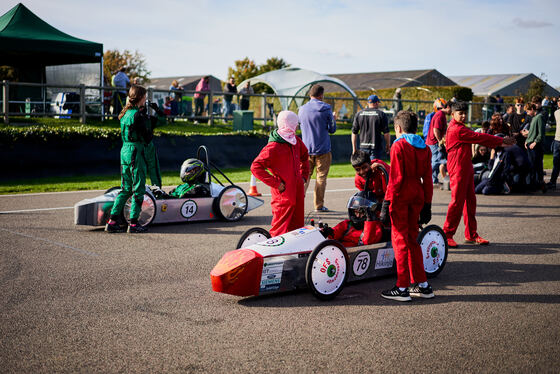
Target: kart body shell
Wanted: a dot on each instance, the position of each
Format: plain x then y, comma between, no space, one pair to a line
303,258
225,202
229,203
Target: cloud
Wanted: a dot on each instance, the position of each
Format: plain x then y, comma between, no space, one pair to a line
530,24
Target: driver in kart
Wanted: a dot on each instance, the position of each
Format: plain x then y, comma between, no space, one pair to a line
369,175
193,173
362,226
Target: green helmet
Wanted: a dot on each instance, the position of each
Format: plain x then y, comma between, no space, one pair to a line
192,171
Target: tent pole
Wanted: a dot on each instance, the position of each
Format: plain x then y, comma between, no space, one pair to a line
6,102
101,92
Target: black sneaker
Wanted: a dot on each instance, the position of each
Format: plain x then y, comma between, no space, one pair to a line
113,227
417,291
136,229
396,294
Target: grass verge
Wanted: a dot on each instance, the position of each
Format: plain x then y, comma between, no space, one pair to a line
169,178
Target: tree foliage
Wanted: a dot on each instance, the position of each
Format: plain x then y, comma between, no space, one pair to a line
247,68
536,88
134,62
8,73
273,63
243,69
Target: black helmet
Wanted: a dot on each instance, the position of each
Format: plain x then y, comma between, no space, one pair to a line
360,206
192,171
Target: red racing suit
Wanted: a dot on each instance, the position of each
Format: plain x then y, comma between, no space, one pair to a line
377,182
461,176
289,164
410,186
352,237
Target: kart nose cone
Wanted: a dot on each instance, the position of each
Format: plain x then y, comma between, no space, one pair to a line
238,273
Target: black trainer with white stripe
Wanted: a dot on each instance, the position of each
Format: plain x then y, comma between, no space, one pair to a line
396,294
423,292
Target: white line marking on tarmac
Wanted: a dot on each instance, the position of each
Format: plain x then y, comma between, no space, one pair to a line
35,210
48,193
84,191
82,251
310,191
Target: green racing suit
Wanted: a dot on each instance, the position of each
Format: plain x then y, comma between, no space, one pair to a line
134,135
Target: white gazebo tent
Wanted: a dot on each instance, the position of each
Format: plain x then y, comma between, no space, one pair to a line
291,82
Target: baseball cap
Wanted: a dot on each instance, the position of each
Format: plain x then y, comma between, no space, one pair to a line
373,99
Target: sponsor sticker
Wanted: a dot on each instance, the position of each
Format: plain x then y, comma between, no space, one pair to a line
274,242
271,276
385,258
361,263
300,231
188,209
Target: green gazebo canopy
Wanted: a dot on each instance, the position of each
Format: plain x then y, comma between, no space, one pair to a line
26,39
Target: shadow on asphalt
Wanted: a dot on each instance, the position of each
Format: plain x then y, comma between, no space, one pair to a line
456,274
515,214
507,249
197,227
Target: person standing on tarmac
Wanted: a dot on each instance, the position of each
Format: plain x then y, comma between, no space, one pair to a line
370,129
135,135
283,164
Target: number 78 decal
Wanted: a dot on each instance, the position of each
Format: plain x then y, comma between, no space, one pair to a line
361,263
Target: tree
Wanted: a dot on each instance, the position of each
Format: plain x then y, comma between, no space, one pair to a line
536,88
273,63
8,73
243,69
246,69
135,64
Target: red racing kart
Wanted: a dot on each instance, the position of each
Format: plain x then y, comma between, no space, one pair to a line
303,258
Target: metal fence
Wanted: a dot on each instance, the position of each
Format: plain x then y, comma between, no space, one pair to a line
97,102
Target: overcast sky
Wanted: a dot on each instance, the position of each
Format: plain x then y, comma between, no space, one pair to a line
205,37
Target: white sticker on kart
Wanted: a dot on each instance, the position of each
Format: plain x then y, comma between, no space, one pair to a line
385,258
271,276
361,263
188,209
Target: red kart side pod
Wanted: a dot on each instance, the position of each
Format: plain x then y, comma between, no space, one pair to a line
238,273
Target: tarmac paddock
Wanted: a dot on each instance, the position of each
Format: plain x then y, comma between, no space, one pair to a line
76,299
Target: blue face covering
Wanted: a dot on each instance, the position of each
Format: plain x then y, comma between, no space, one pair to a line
414,140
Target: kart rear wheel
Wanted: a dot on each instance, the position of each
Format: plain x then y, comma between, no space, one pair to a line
147,213
231,204
327,269
433,242
252,236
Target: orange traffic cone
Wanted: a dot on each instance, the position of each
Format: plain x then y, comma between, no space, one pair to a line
253,187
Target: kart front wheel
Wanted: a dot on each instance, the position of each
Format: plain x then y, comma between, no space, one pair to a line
147,212
327,269
434,247
252,236
231,204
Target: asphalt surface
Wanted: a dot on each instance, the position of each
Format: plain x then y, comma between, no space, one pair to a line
76,299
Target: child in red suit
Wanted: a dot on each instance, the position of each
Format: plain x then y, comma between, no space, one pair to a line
356,230
409,201
283,164
367,169
461,174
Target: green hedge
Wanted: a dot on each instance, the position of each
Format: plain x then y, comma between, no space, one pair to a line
64,130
